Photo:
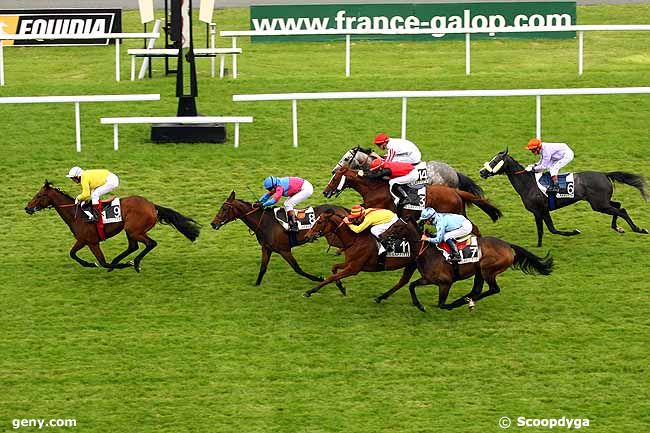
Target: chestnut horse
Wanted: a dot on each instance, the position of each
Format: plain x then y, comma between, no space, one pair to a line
496,257
272,237
139,215
375,193
360,249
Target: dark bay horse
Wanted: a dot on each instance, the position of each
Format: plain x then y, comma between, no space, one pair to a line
594,187
360,250
139,215
269,233
497,256
376,193
438,172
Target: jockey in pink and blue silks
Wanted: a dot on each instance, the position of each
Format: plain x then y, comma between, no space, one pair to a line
295,188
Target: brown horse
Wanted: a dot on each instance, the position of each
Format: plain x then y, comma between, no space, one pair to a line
139,215
361,252
375,193
272,237
496,257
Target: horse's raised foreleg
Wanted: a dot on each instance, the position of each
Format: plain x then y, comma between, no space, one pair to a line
266,256
286,255
346,272
73,253
99,255
406,276
551,227
133,246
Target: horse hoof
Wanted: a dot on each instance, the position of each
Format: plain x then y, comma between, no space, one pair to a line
306,295
576,232
421,308
644,231
378,300
471,304
620,229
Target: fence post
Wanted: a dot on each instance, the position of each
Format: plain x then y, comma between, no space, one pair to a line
77,125
115,137
538,117
2,64
467,54
404,118
294,109
347,55
234,59
213,32
117,59
580,52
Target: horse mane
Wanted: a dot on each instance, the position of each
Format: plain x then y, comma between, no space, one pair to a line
512,161
50,185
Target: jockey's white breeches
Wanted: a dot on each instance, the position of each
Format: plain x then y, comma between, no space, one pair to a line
305,192
112,182
403,180
555,167
463,230
378,229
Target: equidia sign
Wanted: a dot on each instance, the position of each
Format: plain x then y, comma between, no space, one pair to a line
412,16
60,22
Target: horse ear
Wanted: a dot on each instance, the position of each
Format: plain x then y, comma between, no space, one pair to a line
505,152
232,195
47,183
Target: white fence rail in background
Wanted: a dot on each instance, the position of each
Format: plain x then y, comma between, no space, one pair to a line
466,31
404,95
77,100
116,36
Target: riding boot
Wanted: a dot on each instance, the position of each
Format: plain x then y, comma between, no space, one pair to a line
455,255
291,219
555,185
400,194
95,210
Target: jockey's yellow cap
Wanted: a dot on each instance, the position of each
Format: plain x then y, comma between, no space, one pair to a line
356,211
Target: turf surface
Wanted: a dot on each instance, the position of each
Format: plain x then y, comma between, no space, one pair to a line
190,344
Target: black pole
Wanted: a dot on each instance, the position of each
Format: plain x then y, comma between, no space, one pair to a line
186,97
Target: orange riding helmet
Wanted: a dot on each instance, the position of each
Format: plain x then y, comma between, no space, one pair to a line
356,211
534,144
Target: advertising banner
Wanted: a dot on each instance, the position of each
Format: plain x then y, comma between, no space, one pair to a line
412,16
60,22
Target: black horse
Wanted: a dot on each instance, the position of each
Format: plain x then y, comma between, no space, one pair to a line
594,187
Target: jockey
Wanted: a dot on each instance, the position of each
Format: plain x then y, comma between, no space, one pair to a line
554,157
94,184
399,173
378,220
296,188
398,149
449,227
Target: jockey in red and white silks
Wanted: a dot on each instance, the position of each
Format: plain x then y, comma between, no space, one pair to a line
398,149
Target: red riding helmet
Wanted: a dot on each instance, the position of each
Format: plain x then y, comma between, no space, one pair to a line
376,164
381,139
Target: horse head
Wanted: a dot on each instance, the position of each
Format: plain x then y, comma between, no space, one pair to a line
500,164
356,158
228,212
398,230
45,198
327,222
338,181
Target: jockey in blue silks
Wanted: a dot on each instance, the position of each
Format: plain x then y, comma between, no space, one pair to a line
449,227
295,188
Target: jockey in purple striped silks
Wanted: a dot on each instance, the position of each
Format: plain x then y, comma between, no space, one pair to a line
295,188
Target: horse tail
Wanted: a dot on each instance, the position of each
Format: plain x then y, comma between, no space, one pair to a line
492,211
629,179
187,226
529,263
465,183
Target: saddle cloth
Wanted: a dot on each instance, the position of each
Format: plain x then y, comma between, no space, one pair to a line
305,217
423,176
468,248
565,180
111,211
416,197
394,248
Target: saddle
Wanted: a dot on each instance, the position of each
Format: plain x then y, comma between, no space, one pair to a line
416,197
111,211
565,181
467,246
304,217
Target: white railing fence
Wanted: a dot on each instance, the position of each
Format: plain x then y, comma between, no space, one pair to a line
76,100
405,95
580,29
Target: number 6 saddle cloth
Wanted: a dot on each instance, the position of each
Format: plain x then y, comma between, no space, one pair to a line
565,180
305,217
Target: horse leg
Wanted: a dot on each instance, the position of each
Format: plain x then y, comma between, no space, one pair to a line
346,272
406,276
615,226
443,293
133,246
286,255
149,244
618,211
540,229
266,256
477,288
494,289
551,227
627,218
99,255
73,253
414,298
338,283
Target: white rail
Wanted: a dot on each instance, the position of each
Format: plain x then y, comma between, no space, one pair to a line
437,32
538,93
76,100
44,36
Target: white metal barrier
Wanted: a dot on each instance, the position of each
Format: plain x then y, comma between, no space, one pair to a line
466,31
116,36
538,93
77,100
183,120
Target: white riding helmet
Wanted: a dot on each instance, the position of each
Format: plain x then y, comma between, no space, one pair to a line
75,172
